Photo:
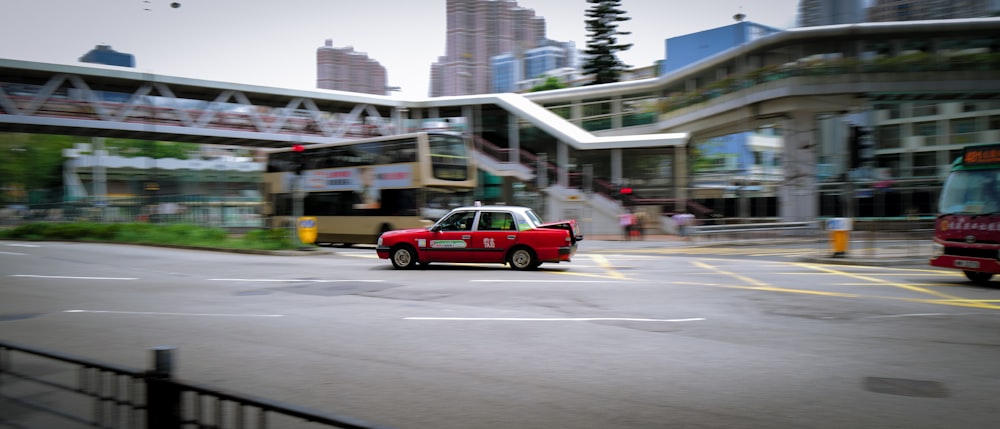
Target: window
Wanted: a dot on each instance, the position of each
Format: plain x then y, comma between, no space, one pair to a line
495,221
461,221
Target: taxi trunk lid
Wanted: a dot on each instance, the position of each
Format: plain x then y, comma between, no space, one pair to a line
568,225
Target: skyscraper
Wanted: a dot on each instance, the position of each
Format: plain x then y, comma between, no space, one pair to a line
478,30
813,13
343,69
539,60
914,10
506,69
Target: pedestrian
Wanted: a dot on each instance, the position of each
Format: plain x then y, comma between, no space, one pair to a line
625,220
683,220
640,221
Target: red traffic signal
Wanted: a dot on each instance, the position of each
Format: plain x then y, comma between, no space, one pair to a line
298,148
626,191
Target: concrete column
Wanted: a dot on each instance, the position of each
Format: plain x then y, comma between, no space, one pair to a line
562,161
514,139
470,121
576,113
616,112
616,166
799,198
681,177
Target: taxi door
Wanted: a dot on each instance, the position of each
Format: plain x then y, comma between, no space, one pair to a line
495,233
452,241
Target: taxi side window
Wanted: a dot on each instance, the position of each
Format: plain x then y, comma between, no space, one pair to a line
521,223
496,221
458,222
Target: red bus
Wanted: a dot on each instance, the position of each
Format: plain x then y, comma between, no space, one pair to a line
967,229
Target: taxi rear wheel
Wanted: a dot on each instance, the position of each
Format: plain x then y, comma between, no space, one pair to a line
522,258
403,257
978,277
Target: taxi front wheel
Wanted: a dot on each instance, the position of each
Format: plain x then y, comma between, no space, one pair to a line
522,258
403,257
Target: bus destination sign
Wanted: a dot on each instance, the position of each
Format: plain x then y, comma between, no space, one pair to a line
981,155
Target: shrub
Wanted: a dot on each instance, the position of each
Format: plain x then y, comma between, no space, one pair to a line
146,233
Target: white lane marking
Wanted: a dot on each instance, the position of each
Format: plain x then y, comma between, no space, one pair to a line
294,280
13,253
23,245
73,277
554,319
151,313
543,281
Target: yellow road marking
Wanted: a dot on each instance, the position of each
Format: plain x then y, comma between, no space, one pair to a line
754,284
944,298
603,262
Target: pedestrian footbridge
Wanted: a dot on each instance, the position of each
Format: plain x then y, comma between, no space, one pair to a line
581,141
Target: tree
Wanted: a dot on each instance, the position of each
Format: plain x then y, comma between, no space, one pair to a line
602,46
551,82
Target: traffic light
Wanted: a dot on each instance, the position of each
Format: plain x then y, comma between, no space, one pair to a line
626,195
299,158
854,147
857,151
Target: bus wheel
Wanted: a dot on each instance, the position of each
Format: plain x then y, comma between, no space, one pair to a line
522,258
977,276
403,257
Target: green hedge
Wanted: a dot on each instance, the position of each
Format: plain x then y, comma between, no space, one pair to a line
146,233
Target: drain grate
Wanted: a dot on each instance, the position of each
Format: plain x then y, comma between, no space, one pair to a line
906,387
18,316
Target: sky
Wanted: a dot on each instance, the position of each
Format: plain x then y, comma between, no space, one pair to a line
273,43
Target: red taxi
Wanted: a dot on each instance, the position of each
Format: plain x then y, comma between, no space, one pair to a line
489,234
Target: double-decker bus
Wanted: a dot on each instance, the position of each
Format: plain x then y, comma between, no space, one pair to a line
359,189
967,229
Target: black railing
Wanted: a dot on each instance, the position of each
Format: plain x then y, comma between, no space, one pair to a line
44,389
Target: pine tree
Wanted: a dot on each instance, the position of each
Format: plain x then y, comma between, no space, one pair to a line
602,46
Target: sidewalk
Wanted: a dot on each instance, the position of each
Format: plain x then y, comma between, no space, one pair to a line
860,251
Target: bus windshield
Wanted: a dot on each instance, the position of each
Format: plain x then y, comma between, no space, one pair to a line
974,192
449,158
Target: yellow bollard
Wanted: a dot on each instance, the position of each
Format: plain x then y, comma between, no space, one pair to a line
840,234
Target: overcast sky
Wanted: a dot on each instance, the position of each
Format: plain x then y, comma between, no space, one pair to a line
273,43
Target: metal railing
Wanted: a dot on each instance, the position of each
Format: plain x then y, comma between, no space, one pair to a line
44,389
756,230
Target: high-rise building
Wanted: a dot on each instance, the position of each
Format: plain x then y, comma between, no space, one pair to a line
539,60
506,73
915,10
510,70
478,30
814,13
343,69
103,54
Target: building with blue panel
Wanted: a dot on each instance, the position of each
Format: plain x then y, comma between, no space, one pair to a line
688,49
103,54
506,70
539,60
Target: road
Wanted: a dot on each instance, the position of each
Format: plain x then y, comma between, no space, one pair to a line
618,338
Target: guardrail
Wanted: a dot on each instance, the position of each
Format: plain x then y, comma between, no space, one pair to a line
755,230
43,392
